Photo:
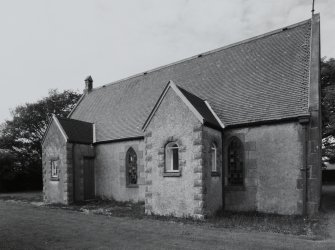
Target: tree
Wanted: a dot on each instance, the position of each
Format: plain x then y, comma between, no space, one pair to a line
22,135
328,108
7,169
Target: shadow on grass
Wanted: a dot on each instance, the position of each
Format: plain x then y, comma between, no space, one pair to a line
32,196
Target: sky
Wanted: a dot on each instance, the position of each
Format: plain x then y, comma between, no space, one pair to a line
56,44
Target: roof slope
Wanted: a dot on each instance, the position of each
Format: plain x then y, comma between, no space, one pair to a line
260,79
77,131
201,106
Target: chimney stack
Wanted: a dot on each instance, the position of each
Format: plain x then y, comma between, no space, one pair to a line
88,85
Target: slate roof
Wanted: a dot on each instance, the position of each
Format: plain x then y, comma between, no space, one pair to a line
200,105
259,79
77,131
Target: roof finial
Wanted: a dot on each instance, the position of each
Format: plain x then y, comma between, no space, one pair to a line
313,8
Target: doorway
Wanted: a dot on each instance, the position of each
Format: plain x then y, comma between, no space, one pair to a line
89,183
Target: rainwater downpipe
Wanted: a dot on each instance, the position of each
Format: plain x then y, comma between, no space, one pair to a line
74,175
223,173
304,121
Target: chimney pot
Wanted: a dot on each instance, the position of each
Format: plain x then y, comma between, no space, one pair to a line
88,84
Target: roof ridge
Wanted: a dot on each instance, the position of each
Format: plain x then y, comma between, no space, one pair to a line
270,33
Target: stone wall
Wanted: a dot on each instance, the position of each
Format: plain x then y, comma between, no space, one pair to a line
110,171
213,180
314,129
274,155
55,148
177,195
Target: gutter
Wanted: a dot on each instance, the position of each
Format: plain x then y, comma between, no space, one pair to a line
120,140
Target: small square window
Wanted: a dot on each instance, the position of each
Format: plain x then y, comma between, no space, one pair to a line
54,169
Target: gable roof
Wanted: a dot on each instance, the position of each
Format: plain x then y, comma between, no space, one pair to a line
204,108
77,131
260,79
199,107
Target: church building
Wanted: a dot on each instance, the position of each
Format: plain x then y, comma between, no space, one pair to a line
236,128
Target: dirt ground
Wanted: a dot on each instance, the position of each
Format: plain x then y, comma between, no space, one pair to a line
31,226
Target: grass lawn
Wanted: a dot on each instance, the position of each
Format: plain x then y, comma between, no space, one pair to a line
315,228
243,221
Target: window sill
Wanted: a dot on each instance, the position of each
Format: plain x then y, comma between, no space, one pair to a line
171,174
54,179
215,174
132,186
235,188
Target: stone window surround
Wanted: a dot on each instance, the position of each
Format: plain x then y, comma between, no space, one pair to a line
170,148
215,173
123,160
241,138
52,160
181,149
128,185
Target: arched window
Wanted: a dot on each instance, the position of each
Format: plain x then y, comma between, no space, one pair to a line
235,163
172,157
214,157
131,167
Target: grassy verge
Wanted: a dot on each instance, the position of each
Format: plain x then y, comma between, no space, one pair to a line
107,208
314,228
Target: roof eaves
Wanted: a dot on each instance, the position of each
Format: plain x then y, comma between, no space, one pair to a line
77,104
94,133
74,120
120,140
270,121
79,142
214,114
47,129
60,128
187,102
214,126
153,111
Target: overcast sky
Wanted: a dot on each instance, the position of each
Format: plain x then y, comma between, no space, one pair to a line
49,44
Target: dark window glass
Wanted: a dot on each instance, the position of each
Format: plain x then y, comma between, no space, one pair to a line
175,158
131,167
235,163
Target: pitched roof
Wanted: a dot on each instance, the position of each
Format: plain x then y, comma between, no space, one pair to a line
259,79
77,131
198,106
203,108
